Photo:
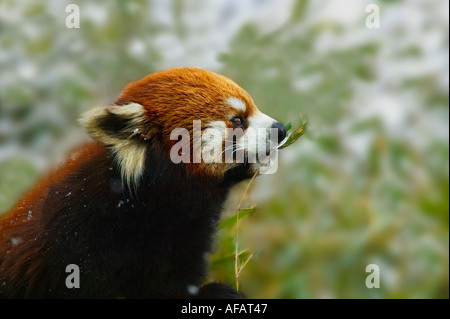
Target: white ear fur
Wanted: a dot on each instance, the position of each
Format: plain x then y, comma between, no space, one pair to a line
112,124
115,126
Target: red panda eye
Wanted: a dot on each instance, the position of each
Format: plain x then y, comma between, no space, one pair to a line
237,121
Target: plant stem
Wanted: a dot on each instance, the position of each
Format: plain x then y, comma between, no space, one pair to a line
237,269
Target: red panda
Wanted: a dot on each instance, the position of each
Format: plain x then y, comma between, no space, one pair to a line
136,224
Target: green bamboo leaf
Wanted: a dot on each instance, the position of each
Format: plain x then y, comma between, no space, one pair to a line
288,126
296,134
230,221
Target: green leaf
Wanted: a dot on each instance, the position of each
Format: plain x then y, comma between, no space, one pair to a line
296,134
230,221
288,126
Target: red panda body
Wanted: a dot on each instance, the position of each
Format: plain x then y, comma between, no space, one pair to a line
135,223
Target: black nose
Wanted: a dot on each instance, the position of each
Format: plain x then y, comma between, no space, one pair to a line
281,131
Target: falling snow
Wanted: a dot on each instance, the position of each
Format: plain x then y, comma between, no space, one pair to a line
121,202
192,290
16,240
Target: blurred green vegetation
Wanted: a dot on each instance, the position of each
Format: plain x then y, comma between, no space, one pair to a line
368,182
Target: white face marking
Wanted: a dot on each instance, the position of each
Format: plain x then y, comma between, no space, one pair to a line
212,138
260,120
217,125
238,104
258,138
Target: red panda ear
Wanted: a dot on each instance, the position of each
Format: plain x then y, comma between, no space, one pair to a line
113,124
123,129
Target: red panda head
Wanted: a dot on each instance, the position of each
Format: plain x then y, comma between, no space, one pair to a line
154,108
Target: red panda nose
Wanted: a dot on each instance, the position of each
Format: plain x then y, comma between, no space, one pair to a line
281,131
